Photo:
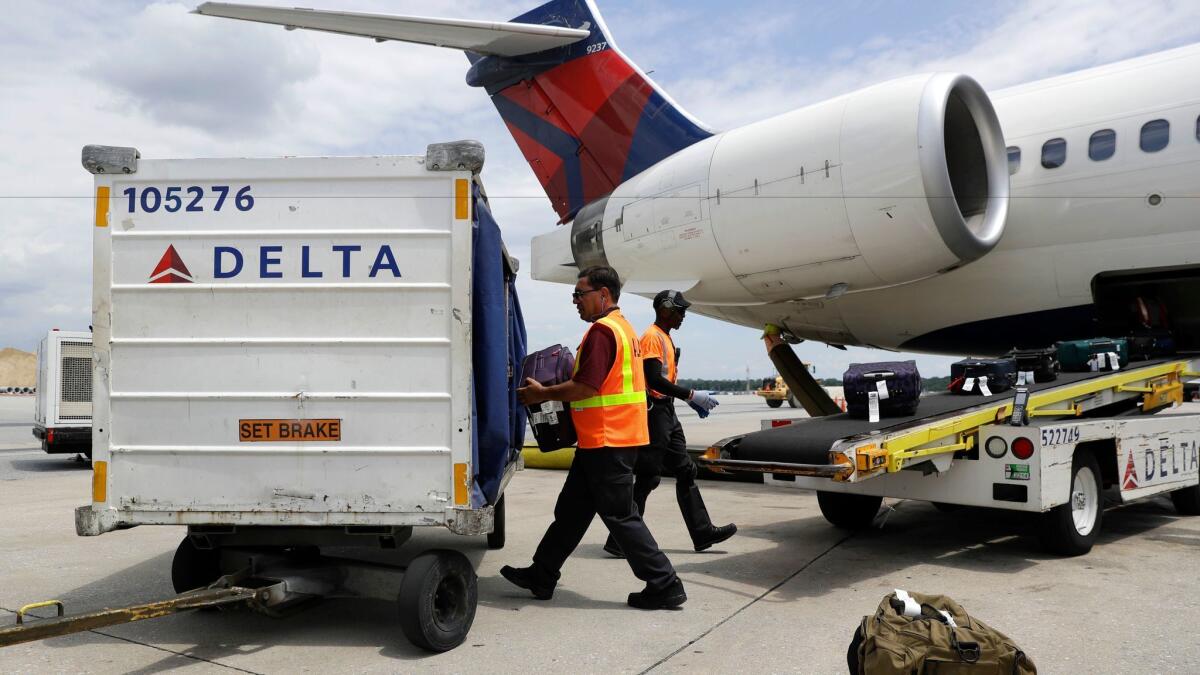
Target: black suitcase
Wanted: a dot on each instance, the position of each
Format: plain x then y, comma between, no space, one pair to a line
1042,363
898,384
982,376
1150,344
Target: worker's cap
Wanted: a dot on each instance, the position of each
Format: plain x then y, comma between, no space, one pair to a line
671,300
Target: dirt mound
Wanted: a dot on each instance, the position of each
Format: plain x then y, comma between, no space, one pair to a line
17,368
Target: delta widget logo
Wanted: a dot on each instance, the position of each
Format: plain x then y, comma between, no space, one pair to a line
171,270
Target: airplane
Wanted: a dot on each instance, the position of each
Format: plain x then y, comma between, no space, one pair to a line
921,214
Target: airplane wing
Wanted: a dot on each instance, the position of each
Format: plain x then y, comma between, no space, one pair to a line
483,37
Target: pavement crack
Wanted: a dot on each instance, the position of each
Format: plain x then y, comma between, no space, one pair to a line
156,647
746,606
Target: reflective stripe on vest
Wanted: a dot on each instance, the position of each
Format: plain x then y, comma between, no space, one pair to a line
616,416
668,354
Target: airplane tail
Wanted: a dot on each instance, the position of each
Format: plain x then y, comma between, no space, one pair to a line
585,116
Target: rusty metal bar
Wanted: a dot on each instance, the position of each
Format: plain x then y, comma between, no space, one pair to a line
747,466
65,625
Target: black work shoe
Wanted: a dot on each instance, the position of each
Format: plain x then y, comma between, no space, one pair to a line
611,548
716,536
528,578
668,598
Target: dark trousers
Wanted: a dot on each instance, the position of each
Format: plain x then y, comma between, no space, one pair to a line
600,482
668,452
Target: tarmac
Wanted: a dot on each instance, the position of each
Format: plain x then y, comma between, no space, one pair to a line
784,595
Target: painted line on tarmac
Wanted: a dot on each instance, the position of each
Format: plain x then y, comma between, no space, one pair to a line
746,606
161,649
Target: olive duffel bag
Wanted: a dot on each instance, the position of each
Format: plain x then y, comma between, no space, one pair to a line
914,633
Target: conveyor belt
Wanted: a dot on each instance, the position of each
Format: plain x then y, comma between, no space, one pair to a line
808,441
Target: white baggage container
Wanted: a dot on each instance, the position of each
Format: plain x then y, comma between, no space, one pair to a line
283,351
62,418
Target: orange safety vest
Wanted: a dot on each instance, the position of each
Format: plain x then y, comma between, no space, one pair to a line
616,416
656,344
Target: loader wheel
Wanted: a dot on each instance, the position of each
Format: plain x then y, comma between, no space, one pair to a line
1071,529
193,567
792,401
437,600
848,511
495,538
1187,501
774,402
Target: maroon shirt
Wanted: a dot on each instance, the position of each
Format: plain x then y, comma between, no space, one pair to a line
596,355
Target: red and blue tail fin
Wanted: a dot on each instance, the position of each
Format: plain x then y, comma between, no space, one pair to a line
585,117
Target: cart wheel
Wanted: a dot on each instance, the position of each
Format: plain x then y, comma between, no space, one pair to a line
193,567
437,600
792,401
1071,529
495,538
1187,501
848,511
774,402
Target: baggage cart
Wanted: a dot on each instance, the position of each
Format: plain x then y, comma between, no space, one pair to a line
302,353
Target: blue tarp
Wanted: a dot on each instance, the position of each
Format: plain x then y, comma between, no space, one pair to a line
498,349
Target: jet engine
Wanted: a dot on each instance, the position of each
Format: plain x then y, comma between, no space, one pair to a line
885,186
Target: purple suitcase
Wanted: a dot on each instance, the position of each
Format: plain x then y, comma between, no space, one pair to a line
550,420
898,384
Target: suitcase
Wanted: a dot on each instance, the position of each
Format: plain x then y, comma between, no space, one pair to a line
1148,345
1096,354
1042,363
898,384
982,376
550,420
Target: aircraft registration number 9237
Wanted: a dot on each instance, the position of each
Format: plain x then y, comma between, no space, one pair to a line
289,431
1059,435
187,198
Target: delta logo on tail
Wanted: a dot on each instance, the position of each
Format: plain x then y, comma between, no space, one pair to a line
170,269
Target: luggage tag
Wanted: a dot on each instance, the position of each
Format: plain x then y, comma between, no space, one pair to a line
1094,362
873,407
881,387
969,384
1025,377
551,406
983,388
1114,362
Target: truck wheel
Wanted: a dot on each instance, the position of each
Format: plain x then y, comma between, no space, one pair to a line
774,402
792,401
1071,529
193,567
495,538
1187,501
847,511
437,600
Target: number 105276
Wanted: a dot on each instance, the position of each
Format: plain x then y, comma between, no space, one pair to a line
187,199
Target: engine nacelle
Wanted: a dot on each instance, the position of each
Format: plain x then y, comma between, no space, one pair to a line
884,186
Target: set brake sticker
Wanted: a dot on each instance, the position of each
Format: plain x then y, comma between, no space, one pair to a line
289,431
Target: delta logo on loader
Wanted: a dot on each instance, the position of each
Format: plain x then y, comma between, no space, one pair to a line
171,270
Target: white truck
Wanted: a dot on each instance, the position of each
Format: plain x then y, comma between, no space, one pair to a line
1050,449
62,418
299,353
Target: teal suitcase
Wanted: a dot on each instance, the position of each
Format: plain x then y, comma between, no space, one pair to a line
1095,354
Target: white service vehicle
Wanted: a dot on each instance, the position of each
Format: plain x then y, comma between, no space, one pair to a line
1073,438
299,353
62,418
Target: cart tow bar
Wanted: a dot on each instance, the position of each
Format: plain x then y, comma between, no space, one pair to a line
65,625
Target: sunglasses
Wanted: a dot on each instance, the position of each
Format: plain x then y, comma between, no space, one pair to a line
578,295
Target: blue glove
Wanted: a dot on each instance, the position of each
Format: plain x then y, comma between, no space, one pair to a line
702,402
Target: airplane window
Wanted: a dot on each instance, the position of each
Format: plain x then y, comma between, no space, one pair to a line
1054,153
1155,135
1014,154
1102,145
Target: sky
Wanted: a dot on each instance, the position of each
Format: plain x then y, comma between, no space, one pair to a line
176,85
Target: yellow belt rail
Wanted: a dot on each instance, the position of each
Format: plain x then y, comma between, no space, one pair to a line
1160,384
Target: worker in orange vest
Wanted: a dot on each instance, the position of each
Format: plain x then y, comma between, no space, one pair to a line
607,397
668,445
